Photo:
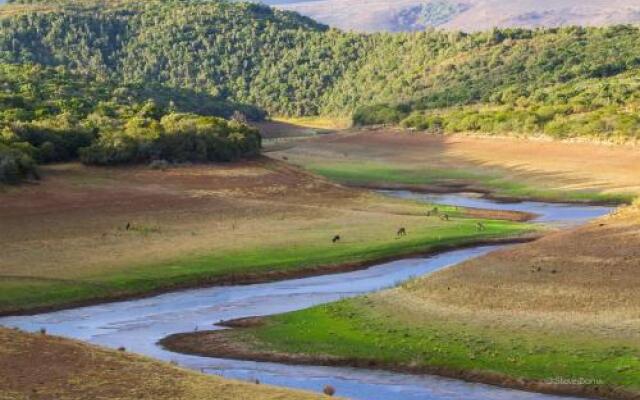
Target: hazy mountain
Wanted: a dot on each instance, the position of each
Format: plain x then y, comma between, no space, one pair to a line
467,15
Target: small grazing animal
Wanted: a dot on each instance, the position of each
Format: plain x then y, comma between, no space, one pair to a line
444,217
336,239
480,227
402,232
128,226
329,390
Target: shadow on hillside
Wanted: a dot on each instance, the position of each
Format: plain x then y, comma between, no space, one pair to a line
192,101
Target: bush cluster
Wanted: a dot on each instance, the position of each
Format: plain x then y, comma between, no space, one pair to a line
559,122
174,138
16,162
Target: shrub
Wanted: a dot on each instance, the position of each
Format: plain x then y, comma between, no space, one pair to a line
16,163
53,143
425,122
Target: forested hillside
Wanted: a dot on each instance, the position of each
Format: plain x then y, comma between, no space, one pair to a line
51,114
287,64
72,61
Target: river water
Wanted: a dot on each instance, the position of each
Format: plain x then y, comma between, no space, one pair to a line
139,324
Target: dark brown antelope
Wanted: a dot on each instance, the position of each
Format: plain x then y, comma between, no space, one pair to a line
402,232
329,390
336,239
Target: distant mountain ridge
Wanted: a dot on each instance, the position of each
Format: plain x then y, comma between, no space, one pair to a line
465,15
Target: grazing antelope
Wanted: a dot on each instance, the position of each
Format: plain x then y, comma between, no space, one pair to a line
480,227
329,390
402,232
444,217
336,239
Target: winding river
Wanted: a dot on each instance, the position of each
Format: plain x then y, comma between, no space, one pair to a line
139,324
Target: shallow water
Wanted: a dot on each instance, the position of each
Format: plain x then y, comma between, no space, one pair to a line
564,214
139,324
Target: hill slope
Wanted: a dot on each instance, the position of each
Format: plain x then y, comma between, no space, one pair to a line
38,366
466,15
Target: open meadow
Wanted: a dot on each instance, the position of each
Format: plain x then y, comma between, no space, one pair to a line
87,234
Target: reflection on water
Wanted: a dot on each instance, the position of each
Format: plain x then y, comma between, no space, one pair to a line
139,324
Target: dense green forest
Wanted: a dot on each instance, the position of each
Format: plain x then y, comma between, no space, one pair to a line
48,114
72,68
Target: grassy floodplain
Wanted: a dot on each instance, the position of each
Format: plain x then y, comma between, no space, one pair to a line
501,167
196,225
373,174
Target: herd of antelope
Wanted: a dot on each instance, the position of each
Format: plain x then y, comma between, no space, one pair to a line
402,231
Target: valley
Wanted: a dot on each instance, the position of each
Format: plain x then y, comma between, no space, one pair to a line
176,197
141,323
381,200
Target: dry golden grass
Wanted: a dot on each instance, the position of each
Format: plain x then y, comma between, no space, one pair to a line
72,224
324,123
585,280
34,366
542,164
